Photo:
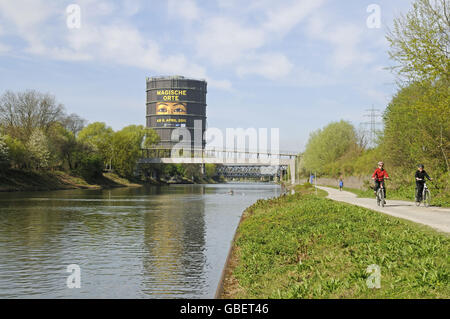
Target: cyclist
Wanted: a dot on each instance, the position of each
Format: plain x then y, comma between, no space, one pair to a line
420,181
379,176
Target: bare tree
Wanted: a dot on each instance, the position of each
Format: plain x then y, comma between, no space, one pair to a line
22,112
73,123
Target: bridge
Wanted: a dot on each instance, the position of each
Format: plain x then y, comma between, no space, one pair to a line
238,163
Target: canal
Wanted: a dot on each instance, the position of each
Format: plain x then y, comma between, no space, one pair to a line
148,242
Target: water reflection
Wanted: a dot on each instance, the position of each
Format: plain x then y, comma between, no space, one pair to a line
150,242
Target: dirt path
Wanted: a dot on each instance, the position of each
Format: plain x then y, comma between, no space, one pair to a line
435,217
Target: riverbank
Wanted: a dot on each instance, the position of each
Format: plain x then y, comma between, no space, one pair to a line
19,180
307,246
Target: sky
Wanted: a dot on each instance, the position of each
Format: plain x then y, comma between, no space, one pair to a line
296,65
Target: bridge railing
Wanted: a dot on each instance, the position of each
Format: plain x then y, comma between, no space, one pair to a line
158,152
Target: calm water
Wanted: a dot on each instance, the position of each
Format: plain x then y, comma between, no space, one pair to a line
151,242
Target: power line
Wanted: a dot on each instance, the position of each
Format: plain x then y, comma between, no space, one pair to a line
373,115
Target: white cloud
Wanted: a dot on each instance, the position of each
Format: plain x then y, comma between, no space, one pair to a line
381,98
285,17
220,84
26,14
186,9
107,42
3,47
268,65
131,7
124,44
344,38
224,41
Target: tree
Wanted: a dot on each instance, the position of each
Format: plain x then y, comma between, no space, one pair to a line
126,145
151,138
417,121
73,123
420,42
326,146
21,113
4,153
38,148
417,127
62,145
210,170
100,137
18,153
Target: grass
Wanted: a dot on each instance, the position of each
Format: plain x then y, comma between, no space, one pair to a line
307,246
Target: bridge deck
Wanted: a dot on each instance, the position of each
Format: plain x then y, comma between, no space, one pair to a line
216,160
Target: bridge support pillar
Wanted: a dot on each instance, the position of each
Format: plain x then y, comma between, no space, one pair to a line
292,171
202,169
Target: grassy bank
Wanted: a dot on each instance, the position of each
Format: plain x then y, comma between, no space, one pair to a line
306,246
438,198
19,180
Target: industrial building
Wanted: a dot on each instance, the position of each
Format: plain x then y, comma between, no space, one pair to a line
176,102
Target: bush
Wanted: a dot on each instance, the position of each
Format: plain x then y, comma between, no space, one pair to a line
89,166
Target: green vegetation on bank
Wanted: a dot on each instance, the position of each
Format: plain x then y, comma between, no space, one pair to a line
36,135
306,246
417,119
38,138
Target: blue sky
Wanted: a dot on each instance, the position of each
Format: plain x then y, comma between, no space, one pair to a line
293,64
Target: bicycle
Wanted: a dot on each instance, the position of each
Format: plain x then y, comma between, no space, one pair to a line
426,196
380,196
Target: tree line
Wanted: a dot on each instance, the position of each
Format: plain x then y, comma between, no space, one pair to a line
417,119
36,133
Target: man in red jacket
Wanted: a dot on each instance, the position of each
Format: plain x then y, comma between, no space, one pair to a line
379,175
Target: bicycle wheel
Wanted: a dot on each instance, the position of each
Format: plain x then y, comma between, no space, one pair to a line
426,198
379,197
417,197
382,197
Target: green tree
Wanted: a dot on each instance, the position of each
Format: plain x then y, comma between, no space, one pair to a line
62,144
99,136
151,138
326,146
88,165
420,42
417,127
39,150
4,153
126,146
18,153
210,170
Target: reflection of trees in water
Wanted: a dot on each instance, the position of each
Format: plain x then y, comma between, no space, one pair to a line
46,231
175,241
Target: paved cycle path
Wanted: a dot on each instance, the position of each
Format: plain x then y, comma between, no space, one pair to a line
435,217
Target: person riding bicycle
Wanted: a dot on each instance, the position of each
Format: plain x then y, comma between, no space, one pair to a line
379,176
420,181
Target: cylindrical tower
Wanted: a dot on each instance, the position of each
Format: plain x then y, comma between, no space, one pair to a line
176,102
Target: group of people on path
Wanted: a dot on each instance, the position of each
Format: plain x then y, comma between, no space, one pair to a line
381,174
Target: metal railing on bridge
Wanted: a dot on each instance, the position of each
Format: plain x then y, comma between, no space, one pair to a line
213,153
